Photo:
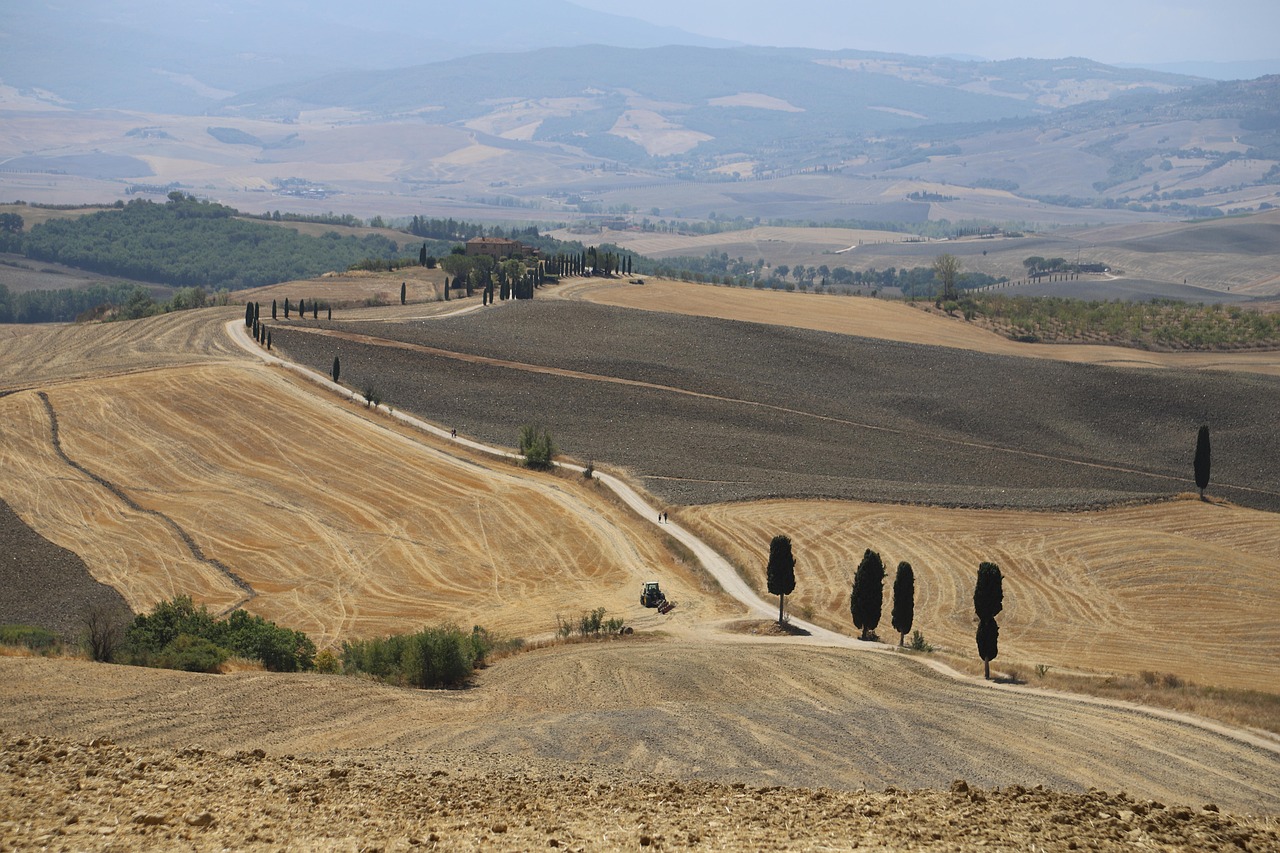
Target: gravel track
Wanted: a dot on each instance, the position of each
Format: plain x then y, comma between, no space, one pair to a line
766,411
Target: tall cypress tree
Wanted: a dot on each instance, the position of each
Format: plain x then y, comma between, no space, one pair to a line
781,571
904,601
1202,459
337,369
273,309
248,314
988,601
866,597
402,292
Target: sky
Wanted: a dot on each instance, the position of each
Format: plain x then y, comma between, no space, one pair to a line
1111,31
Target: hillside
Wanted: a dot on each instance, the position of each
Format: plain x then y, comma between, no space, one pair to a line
332,518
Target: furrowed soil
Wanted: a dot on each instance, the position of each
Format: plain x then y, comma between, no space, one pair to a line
705,410
625,744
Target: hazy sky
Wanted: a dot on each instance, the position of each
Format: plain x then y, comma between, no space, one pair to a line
1112,31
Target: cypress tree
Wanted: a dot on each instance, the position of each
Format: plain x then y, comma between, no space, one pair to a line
286,308
330,312
248,314
402,292
315,310
273,309
988,638
988,601
904,601
781,571
1202,459
337,369
302,309
988,593
867,595
268,339
257,311
422,255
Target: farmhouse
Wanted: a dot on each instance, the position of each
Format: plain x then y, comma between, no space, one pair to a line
499,247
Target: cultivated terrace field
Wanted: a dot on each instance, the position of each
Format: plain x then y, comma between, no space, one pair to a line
161,458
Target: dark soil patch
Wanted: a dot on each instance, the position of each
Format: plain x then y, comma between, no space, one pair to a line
45,585
747,411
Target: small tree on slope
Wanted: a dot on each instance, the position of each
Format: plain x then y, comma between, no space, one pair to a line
781,571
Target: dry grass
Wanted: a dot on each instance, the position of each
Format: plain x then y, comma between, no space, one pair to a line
1181,587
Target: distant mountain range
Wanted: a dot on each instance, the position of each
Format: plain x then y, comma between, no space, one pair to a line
183,56
500,104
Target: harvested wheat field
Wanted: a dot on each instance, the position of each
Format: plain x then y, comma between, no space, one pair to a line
235,485
886,320
1182,587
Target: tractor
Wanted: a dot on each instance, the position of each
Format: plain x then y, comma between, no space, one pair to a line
652,596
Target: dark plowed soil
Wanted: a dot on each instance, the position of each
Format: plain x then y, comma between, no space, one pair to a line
45,585
742,411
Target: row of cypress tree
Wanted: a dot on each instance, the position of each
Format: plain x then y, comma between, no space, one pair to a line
867,596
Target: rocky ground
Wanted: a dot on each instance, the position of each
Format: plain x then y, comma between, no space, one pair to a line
96,795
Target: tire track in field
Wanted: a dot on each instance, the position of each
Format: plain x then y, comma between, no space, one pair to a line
489,361
196,551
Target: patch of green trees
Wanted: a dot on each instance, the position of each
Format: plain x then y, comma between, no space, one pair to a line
178,635
118,301
191,242
1157,324
443,656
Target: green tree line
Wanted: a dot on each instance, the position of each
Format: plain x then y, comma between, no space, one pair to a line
198,243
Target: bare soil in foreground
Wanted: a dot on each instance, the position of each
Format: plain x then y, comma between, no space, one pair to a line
735,745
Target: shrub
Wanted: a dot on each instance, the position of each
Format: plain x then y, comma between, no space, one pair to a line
192,654
443,656
328,663
153,638
39,640
104,630
918,643
536,446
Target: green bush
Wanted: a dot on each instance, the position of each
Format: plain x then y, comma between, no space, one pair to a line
151,639
36,639
192,654
536,446
443,656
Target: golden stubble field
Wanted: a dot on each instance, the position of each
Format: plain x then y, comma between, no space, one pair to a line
1184,587
340,523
